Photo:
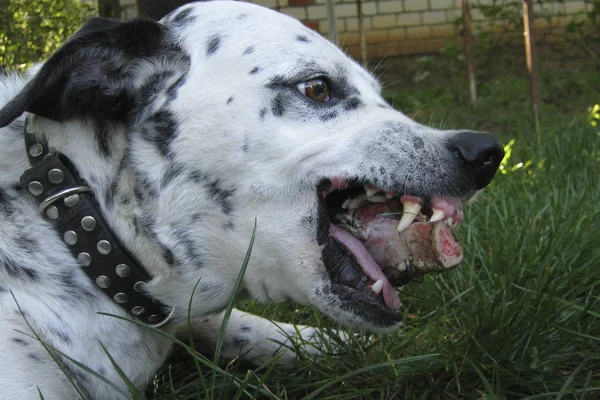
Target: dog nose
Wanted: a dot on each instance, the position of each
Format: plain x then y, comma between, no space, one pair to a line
480,152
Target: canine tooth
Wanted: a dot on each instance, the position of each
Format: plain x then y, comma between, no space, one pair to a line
377,199
409,213
437,215
370,190
377,286
450,221
355,202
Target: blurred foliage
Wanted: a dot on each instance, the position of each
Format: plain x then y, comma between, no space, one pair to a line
32,29
594,115
504,30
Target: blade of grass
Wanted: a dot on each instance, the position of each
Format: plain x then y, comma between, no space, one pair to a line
47,348
232,298
368,368
130,386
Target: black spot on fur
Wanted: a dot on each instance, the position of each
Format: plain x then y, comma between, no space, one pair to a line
62,335
328,116
216,192
228,226
238,341
17,271
147,93
187,249
112,190
172,90
353,104
34,357
249,50
20,341
262,113
172,172
246,145
6,206
417,142
168,256
213,45
70,289
183,18
245,328
254,70
102,132
278,105
161,130
230,100
302,38
383,106
26,243
242,16
81,377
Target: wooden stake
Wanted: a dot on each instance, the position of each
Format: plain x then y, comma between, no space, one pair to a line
468,43
361,33
331,21
532,67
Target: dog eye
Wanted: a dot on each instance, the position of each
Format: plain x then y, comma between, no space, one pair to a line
315,89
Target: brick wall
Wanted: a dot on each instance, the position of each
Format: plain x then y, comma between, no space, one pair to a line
405,27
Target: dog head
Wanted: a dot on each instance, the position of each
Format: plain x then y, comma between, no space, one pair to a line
226,112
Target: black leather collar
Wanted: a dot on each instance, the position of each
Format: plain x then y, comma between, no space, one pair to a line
66,200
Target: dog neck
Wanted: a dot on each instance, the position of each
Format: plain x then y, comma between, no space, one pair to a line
65,198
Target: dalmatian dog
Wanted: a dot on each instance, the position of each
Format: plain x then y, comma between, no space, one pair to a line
138,161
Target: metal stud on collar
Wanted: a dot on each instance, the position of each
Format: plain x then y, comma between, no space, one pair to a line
88,223
35,188
36,150
103,282
123,270
70,237
52,212
72,200
84,259
56,175
121,298
104,247
138,310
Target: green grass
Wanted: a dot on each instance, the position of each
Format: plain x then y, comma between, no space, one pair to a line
520,318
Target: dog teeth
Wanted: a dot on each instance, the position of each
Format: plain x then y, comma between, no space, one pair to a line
449,221
377,286
377,199
370,190
346,203
437,215
409,213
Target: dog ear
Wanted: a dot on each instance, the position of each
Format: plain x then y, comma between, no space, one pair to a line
91,74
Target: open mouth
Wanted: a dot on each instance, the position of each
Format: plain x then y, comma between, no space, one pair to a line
373,240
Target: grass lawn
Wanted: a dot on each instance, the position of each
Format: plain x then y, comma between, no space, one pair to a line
520,318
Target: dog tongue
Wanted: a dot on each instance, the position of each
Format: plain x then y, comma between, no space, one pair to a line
367,263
